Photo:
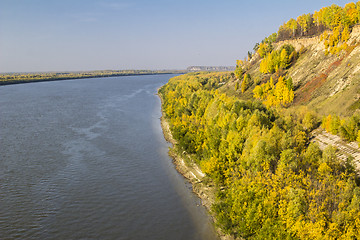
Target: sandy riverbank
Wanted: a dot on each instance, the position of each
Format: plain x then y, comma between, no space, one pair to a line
202,186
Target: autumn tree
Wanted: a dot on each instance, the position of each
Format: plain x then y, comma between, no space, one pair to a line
245,83
305,21
278,59
239,70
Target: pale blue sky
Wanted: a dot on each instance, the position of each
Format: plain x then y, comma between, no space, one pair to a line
71,35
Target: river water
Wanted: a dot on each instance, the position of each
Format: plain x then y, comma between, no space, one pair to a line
86,159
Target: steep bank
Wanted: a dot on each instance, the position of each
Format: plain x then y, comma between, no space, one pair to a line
326,83
202,186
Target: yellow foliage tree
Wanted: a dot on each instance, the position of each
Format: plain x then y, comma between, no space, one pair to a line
275,95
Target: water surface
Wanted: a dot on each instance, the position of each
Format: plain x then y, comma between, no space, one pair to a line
86,159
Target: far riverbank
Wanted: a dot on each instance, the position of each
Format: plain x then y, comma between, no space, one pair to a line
19,78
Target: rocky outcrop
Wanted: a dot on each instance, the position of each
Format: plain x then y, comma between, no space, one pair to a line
299,43
355,34
345,149
312,42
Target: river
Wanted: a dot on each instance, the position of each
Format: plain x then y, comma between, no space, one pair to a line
86,159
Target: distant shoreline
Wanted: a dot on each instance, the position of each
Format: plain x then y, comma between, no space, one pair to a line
72,76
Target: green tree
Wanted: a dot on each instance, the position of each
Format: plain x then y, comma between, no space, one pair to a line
289,83
245,83
264,49
238,70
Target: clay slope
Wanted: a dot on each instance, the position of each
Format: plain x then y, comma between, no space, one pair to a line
328,84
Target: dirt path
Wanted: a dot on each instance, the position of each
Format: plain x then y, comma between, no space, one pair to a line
345,149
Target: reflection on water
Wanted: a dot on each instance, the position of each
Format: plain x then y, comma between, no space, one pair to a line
86,159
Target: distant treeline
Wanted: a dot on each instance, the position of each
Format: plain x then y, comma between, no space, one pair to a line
14,78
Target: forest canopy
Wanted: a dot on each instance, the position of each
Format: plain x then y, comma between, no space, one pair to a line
274,183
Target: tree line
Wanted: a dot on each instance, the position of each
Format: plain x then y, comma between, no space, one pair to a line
327,18
347,128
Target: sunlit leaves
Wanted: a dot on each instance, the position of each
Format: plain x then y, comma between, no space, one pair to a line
347,128
280,94
273,183
278,59
336,21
